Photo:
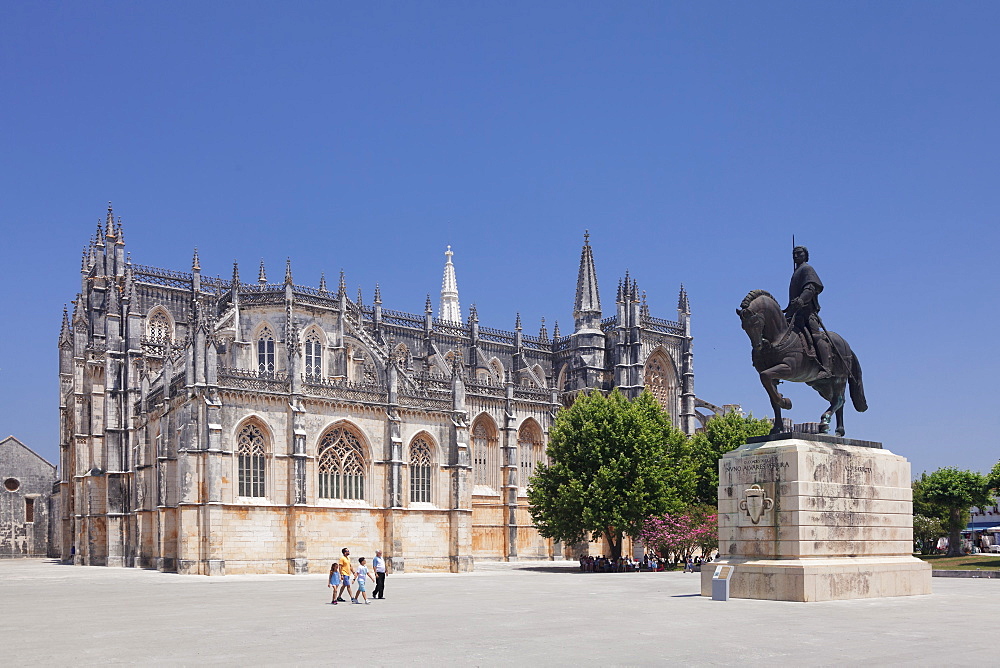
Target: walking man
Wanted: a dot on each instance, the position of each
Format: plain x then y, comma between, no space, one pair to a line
346,571
378,563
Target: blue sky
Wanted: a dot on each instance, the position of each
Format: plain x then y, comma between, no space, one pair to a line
692,140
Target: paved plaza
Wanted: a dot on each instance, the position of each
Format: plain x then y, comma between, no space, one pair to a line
503,614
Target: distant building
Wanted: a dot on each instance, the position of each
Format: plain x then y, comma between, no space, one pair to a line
217,426
26,481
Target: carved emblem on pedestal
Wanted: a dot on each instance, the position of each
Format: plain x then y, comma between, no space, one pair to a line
755,503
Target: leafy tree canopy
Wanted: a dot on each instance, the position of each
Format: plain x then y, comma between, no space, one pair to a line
614,463
993,479
956,491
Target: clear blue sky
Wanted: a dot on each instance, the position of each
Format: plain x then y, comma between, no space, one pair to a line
691,139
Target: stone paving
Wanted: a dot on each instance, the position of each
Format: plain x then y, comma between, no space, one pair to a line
539,613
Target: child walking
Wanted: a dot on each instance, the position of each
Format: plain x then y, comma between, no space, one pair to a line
334,580
362,581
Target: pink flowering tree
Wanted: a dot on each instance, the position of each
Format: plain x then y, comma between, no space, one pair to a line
677,535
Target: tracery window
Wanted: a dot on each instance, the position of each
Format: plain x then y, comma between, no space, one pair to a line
530,450
485,455
158,327
314,355
341,465
661,381
265,352
420,471
250,461
401,355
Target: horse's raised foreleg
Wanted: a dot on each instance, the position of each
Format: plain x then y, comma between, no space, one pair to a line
769,379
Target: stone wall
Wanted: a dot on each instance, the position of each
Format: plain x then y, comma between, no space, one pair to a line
25,488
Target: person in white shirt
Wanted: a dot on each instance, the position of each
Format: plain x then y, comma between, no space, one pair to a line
378,563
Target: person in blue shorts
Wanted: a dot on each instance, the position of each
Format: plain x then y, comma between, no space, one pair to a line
362,581
346,571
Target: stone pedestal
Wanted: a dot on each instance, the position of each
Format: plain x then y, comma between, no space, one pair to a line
806,517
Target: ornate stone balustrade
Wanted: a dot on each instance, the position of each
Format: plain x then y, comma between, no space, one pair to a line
245,379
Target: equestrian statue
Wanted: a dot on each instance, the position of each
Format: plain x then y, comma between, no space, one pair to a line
793,345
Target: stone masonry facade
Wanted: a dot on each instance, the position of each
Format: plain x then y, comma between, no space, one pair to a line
26,482
217,426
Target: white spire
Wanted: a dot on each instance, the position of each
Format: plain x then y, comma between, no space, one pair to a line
449,310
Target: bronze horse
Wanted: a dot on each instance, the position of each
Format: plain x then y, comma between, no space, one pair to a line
780,353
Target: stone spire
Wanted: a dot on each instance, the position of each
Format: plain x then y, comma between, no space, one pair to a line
378,295
428,308
342,286
322,283
121,233
110,225
195,262
587,307
65,334
555,331
261,275
288,271
450,310
236,274
683,305
543,333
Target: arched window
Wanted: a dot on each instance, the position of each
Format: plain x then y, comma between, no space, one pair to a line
540,374
158,327
420,471
250,460
561,379
341,465
661,381
314,355
485,454
497,370
530,450
265,351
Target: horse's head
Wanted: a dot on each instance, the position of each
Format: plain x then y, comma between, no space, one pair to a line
752,313
753,325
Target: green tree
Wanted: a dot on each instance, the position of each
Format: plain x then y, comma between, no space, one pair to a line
993,479
614,463
723,433
921,506
926,531
956,491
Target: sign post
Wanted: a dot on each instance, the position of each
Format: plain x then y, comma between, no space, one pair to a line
720,582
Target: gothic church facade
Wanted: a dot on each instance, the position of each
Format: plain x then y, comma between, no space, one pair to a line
218,426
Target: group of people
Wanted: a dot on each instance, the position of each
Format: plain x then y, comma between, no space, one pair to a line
343,574
626,564
602,564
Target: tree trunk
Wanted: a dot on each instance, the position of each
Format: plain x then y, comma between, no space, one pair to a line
614,539
955,533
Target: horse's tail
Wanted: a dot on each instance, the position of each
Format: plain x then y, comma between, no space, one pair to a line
857,388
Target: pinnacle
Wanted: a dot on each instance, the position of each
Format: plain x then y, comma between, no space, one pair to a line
261,275
588,298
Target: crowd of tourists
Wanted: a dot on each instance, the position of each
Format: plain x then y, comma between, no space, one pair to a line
626,564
